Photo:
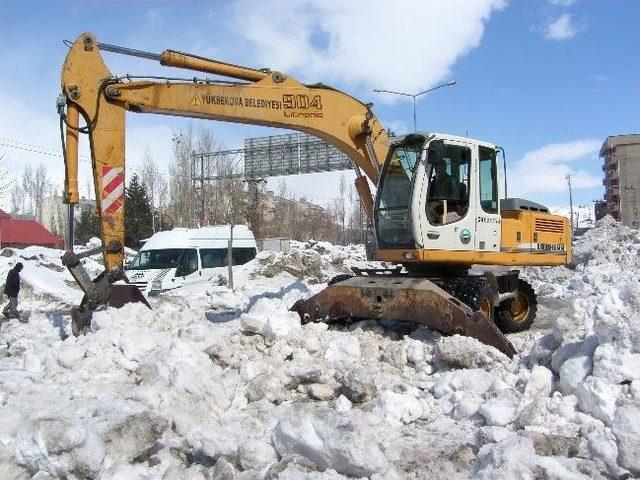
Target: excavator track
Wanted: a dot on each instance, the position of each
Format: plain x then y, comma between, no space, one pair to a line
401,298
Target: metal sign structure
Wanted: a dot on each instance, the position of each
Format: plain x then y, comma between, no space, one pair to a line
273,156
262,157
291,154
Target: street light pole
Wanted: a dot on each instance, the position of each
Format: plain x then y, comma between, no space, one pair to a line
415,96
568,179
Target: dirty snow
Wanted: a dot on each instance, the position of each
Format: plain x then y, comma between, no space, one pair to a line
215,384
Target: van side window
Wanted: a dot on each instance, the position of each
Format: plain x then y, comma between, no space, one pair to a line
188,263
243,255
213,257
217,257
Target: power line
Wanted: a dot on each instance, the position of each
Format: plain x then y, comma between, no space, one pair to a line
39,147
52,152
36,151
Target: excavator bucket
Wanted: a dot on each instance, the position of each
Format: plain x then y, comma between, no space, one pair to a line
116,296
417,300
120,295
100,291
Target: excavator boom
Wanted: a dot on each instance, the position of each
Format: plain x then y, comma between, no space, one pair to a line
263,98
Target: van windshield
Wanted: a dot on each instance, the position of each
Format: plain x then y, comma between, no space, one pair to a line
156,259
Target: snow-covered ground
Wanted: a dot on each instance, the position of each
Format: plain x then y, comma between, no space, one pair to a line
217,384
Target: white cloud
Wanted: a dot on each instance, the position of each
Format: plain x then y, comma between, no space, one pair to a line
544,170
562,28
562,3
404,44
599,78
398,127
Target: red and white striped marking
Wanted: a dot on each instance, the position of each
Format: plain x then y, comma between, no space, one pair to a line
112,189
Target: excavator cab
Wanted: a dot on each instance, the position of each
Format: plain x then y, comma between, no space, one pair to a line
438,192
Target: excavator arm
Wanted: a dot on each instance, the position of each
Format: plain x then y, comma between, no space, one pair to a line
261,98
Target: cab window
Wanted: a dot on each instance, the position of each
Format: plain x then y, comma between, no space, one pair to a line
448,192
393,212
488,180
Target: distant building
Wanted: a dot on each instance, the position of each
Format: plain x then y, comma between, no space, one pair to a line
600,209
25,233
621,166
54,213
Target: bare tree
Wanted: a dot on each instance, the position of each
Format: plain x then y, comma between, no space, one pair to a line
153,183
36,186
17,198
181,188
255,207
357,218
5,180
232,205
210,196
41,188
285,212
340,207
27,188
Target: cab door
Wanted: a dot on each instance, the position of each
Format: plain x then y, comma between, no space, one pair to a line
445,202
488,226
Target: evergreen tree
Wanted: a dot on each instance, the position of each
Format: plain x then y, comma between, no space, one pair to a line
137,213
87,226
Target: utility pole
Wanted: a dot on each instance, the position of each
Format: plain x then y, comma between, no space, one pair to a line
568,178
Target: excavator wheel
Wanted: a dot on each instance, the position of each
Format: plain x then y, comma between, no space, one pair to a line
475,292
517,314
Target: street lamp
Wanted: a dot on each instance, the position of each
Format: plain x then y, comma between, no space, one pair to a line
415,95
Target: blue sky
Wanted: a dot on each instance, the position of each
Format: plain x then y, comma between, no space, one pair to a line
548,79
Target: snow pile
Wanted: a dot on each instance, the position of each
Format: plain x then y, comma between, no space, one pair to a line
44,278
315,262
229,385
594,348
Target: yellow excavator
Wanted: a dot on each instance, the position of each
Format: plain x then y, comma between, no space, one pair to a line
440,214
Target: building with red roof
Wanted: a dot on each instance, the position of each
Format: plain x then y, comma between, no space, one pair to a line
25,233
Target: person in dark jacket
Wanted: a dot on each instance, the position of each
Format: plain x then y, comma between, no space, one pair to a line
11,290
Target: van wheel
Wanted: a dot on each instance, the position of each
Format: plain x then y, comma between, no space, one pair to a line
517,314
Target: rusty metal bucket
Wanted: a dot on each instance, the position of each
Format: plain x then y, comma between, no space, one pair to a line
123,294
117,296
405,299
